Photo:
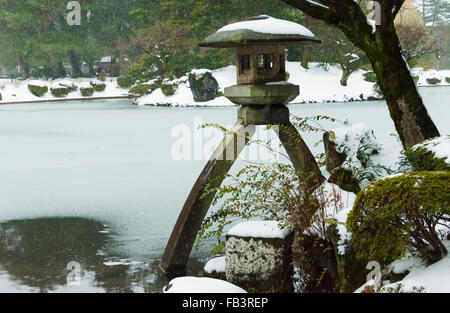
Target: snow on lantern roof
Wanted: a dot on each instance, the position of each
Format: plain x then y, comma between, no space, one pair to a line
261,29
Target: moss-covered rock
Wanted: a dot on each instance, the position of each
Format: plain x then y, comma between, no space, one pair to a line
98,86
59,91
87,91
423,156
125,81
38,90
400,214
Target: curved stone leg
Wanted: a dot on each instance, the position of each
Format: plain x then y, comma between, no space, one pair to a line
300,155
195,208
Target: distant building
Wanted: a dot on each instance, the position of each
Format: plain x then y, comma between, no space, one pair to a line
108,64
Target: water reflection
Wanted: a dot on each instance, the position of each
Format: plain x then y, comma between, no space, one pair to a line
35,253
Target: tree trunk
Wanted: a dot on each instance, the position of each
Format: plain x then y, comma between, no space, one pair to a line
411,119
382,46
345,75
305,57
21,66
75,63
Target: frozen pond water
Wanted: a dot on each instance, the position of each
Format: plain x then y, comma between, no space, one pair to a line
95,182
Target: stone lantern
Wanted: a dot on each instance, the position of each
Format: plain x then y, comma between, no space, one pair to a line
261,58
262,91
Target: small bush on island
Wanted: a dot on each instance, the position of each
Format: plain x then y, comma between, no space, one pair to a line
447,79
433,80
87,91
125,81
142,89
98,86
168,89
59,92
402,214
37,89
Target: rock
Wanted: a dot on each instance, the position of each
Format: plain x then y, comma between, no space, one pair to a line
200,285
215,268
260,259
204,86
342,177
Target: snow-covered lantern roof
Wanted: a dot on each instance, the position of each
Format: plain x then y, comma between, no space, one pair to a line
261,46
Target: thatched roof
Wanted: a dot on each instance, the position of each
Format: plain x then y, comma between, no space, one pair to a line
408,16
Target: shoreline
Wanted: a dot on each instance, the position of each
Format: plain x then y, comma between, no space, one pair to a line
66,100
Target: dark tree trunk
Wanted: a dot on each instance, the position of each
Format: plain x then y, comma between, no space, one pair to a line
345,75
382,47
411,119
305,57
75,63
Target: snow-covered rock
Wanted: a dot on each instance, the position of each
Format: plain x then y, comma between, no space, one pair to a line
201,285
260,229
215,265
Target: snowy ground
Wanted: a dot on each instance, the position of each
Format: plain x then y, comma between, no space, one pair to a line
17,91
316,85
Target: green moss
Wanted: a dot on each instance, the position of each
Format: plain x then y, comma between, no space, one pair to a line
423,159
142,89
59,91
168,89
396,215
125,81
38,91
99,87
87,91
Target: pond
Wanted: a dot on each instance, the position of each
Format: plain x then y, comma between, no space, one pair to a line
96,183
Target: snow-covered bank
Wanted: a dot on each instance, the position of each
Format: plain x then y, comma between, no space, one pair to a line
17,91
316,85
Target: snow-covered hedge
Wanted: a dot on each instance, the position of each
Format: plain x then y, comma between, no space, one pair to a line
404,213
431,155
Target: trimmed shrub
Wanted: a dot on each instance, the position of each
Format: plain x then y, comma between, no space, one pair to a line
400,214
423,159
125,81
168,89
433,80
70,86
59,91
99,87
447,79
141,89
87,91
1,96
38,91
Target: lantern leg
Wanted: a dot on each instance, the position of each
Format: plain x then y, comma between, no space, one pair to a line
189,222
300,155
